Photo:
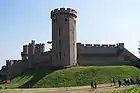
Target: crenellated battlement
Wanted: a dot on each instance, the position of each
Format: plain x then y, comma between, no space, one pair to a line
63,11
25,45
100,45
25,49
39,48
31,49
31,46
12,62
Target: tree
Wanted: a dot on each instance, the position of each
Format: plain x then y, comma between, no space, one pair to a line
3,68
139,48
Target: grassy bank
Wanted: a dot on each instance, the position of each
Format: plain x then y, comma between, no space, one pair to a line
75,76
129,90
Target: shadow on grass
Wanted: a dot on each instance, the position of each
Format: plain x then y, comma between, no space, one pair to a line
36,74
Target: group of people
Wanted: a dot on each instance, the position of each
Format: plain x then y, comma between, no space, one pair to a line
126,82
121,82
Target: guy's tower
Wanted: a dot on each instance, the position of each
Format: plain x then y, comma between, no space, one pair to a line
64,49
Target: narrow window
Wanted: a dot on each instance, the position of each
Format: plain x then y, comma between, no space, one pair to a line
66,19
59,45
59,42
59,55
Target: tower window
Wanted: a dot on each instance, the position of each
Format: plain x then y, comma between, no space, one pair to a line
66,19
59,45
59,55
59,42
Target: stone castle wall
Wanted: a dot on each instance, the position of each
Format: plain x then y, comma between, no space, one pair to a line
33,55
42,60
15,67
88,54
98,48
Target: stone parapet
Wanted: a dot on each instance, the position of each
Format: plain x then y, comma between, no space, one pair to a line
80,45
12,62
63,11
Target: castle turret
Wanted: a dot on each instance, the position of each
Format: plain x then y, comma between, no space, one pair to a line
24,54
64,49
39,48
121,46
42,48
31,52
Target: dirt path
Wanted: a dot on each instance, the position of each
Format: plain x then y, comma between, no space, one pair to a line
87,89
80,89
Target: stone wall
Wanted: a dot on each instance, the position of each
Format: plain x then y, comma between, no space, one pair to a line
98,49
15,67
104,55
88,54
101,60
40,59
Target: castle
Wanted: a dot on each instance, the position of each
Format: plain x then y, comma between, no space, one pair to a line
66,52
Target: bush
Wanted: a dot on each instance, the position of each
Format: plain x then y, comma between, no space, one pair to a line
130,90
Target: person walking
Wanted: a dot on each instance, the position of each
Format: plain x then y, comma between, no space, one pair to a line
95,84
92,86
114,82
120,83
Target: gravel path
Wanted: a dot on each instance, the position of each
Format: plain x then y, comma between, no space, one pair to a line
80,89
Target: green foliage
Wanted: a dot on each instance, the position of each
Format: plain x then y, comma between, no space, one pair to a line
115,91
130,90
75,76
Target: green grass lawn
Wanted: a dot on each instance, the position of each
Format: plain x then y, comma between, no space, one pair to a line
75,76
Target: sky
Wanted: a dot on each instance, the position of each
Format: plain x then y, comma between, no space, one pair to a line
98,22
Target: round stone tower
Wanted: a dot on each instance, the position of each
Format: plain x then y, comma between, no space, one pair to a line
64,49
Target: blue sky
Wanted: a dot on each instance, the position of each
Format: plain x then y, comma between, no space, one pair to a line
99,21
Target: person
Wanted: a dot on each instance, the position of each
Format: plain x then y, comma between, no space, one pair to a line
92,86
128,82
120,82
131,80
137,80
125,81
114,83
95,84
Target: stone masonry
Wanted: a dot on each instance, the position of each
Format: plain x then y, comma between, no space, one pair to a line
66,52
64,37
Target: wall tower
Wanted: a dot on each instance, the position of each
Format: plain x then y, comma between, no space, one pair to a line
31,52
24,54
64,49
